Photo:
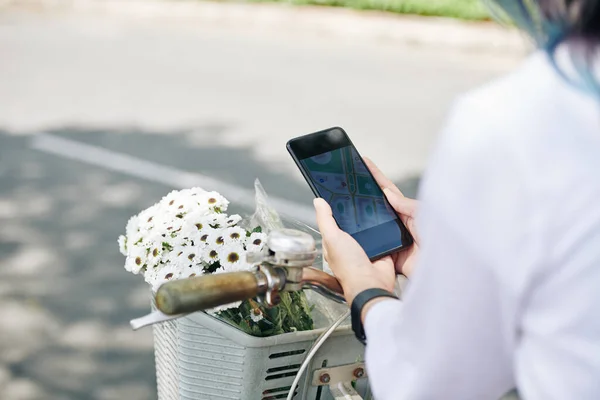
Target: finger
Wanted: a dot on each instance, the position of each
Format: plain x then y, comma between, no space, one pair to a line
325,221
402,205
382,180
325,255
385,266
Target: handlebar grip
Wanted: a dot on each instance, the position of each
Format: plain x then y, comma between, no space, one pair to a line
207,291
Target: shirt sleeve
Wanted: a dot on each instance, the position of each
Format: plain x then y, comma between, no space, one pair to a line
447,338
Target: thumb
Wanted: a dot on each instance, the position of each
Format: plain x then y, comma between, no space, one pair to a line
327,225
402,205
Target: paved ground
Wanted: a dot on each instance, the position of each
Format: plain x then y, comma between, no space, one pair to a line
199,98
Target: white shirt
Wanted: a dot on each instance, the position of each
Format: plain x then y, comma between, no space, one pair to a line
507,290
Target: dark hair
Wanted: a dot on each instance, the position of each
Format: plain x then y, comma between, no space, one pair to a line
553,22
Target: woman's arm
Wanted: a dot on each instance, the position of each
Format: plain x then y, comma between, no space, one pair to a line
446,339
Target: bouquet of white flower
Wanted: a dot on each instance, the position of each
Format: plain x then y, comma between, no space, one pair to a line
188,234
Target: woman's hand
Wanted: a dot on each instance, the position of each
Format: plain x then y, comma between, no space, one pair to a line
406,209
348,260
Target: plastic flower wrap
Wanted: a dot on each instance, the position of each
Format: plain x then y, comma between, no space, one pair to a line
188,233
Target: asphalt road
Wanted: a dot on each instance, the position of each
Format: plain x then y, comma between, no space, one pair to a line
186,98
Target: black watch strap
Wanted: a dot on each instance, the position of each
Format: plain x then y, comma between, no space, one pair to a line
357,306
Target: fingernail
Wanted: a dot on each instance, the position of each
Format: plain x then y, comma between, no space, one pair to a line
387,190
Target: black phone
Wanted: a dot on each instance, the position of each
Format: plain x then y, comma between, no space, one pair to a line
336,172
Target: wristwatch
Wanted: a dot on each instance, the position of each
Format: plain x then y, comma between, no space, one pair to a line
357,306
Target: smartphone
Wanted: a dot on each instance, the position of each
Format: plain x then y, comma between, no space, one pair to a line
336,172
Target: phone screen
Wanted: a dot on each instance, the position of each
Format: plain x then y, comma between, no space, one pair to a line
343,180
337,173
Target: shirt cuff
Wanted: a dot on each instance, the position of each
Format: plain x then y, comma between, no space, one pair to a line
380,315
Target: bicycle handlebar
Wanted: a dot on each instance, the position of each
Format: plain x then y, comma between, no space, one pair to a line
207,291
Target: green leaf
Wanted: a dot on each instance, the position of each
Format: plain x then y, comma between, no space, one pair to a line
293,313
211,268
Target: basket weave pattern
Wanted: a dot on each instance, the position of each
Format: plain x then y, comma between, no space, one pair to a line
199,357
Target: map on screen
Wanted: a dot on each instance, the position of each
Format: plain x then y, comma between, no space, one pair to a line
343,180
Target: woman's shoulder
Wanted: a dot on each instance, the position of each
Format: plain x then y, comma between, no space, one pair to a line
525,118
513,153
511,101
524,106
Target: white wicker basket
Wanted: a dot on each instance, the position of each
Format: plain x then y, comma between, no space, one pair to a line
166,356
201,357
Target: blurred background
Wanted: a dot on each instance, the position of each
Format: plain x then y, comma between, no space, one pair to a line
105,106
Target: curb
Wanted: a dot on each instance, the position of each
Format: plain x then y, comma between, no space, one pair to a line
308,20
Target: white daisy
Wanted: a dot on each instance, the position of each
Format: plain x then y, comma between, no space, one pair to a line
131,266
233,258
203,238
154,256
216,238
175,254
151,277
217,221
122,244
147,218
163,217
234,234
184,204
170,198
150,238
189,256
233,220
256,315
168,273
133,226
211,254
169,257
136,259
199,252
138,239
192,272
256,241
173,226
179,241
195,191
216,201
196,221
